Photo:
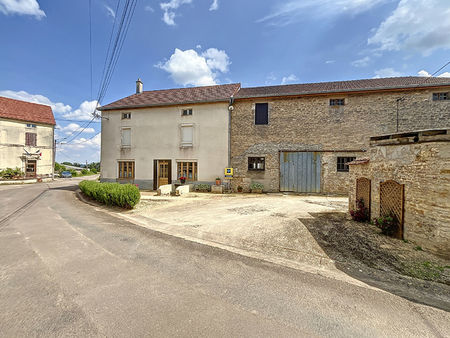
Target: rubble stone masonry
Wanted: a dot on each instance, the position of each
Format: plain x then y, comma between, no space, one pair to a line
309,123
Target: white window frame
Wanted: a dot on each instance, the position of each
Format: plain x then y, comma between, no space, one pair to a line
187,110
126,116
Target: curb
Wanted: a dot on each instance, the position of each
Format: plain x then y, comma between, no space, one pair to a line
327,270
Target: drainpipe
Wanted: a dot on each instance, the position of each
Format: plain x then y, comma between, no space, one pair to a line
54,154
230,110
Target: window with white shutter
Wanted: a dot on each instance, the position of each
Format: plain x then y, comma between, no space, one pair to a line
187,135
126,137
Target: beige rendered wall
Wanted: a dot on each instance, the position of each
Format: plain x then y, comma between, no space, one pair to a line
155,134
424,169
12,145
310,124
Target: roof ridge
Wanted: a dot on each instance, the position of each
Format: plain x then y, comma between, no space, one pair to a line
23,101
181,88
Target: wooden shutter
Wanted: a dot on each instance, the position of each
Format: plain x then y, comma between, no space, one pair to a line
155,174
170,171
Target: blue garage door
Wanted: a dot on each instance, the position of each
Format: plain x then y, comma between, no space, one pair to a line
300,171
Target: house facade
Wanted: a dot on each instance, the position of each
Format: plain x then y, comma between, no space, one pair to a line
299,138
153,138
26,137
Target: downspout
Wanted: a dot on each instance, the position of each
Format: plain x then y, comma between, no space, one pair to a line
230,110
54,154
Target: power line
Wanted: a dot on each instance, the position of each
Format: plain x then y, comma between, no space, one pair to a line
79,121
90,39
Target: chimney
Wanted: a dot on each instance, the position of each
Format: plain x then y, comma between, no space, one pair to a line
139,86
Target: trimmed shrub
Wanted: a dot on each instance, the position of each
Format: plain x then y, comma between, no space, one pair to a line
388,224
203,187
256,186
122,195
361,214
9,173
84,172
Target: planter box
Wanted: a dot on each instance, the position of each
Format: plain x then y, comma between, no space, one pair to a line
257,191
217,189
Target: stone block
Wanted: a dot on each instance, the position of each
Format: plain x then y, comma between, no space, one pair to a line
217,189
183,189
164,190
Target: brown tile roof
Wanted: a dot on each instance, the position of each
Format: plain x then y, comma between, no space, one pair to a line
359,161
343,86
166,97
25,111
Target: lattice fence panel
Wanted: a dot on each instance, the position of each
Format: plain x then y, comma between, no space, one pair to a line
363,191
391,201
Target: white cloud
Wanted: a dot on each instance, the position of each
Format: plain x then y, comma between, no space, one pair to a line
110,12
424,73
72,127
84,112
214,6
22,7
36,98
329,62
386,72
421,25
190,68
289,79
294,10
149,9
81,148
169,9
361,62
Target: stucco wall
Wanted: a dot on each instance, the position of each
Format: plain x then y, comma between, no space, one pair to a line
155,134
12,145
424,169
310,124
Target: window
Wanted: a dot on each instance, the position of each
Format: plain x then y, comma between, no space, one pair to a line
188,170
440,96
30,139
126,137
261,113
337,102
256,163
126,170
342,163
126,116
186,112
30,125
187,135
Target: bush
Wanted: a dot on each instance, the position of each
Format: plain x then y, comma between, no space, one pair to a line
203,187
93,170
9,173
84,172
387,224
256,186
122,195
74,173
361,214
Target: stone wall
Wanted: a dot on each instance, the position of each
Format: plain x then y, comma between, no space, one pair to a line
422,164
310,124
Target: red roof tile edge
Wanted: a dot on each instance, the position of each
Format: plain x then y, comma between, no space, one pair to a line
13,109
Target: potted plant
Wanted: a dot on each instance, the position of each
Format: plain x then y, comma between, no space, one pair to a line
182,179
257,187
239,188
218,181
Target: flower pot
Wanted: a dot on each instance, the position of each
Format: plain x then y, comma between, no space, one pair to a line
183,181
218,182
256,191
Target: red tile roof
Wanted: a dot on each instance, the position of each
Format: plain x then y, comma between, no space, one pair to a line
344,86
166,97
25,111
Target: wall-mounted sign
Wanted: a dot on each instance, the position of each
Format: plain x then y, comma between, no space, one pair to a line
228,172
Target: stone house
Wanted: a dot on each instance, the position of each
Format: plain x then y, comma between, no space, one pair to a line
299,138
407,176
27,137
153,138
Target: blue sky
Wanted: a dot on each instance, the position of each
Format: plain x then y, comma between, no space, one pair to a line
174,43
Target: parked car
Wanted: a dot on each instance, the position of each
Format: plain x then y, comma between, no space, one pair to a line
66,174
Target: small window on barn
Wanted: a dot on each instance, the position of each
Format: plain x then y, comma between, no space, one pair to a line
31,125
30,139
342,163
186,112
441,97
256,163
126,116
261,113
337,102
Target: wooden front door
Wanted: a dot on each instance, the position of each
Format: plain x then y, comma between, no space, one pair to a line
31,168
163,172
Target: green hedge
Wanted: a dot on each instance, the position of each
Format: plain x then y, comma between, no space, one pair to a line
122,195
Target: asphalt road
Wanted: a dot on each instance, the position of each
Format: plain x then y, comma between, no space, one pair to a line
67,269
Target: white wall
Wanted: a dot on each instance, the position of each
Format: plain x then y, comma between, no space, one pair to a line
156,134
12,145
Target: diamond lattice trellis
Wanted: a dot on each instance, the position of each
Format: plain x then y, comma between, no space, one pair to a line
391,202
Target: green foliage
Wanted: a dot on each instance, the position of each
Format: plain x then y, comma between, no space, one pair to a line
256,186
387,224
122,195
418,248
203,187
74,173
9,173
84,172
67,163
94,165
93,170
361,214
426,270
